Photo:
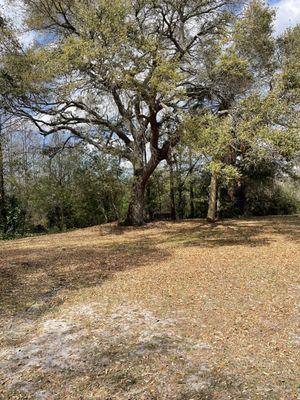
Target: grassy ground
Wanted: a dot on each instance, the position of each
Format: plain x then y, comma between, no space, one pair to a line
183,311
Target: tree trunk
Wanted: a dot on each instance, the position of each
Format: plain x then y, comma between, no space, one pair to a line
180,189
135,213
172,192
2,189
213,198
241,197
192,204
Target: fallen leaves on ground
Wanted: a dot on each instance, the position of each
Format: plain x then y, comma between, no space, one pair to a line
182,311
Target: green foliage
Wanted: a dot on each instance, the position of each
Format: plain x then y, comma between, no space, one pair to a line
132,78
270,199
231,74
75,187
80,190
157,196
210,134
289,80
14,223
253,35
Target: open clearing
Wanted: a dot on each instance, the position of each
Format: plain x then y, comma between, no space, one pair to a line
168,311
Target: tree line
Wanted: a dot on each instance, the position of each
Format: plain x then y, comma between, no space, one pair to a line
147,109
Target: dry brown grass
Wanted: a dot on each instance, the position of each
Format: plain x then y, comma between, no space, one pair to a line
169,311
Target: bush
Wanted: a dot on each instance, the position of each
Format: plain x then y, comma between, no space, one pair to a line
14,222
271,200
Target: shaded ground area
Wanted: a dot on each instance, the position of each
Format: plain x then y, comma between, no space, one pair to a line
182,311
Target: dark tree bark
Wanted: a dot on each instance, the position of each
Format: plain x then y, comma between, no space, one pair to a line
192,204
241,197
180,188
143,169
172,191
135,214
213,199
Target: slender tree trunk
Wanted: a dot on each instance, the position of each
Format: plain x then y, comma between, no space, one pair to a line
180,188
150,210
213,198
2,188
62,225
192,204
172,192
241,197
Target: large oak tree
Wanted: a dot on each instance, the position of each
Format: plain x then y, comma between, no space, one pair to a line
113,74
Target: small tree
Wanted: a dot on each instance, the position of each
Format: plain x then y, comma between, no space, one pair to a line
8,45
240,112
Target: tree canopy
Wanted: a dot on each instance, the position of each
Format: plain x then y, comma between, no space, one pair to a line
134,78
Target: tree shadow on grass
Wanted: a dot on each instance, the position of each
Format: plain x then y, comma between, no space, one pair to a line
32,280
247,232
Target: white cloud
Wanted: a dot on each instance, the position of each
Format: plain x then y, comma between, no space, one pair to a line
288,14
14,11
